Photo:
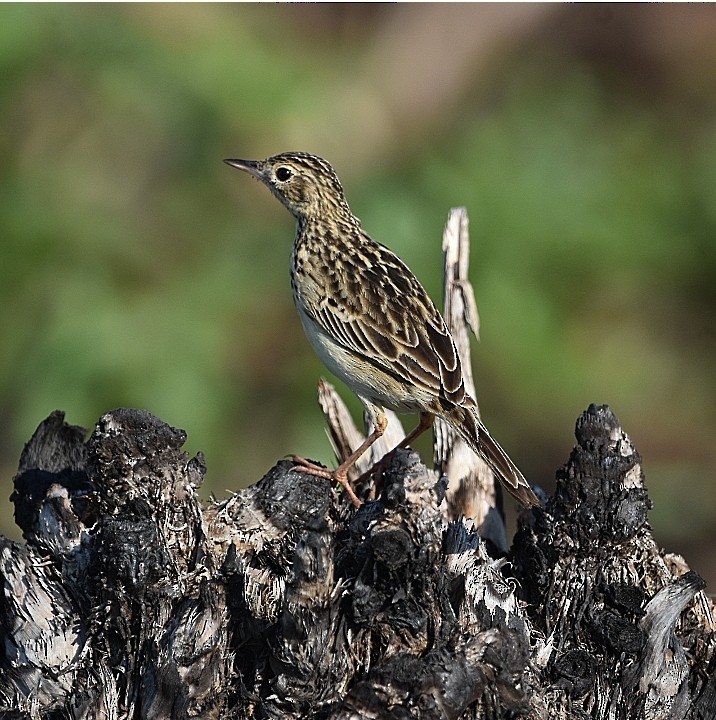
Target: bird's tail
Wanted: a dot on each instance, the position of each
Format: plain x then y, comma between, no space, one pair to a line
467,423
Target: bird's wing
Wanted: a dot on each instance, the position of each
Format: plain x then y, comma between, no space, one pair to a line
381,312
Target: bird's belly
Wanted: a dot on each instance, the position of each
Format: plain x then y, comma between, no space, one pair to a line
362,377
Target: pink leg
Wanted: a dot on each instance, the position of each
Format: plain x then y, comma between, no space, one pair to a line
426,422
340,474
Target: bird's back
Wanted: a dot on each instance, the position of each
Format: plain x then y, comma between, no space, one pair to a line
365,297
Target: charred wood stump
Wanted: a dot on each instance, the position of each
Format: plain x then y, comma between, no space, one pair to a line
129,598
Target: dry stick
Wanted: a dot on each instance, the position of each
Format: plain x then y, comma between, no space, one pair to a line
471,487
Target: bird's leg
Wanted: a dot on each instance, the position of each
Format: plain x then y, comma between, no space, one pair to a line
426,422
340,474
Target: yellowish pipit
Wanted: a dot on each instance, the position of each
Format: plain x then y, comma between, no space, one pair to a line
370,320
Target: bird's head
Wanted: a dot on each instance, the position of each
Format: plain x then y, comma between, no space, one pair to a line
306,184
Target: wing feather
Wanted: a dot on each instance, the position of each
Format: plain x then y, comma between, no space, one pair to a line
386,317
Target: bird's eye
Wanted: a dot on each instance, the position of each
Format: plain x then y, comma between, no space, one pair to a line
283,174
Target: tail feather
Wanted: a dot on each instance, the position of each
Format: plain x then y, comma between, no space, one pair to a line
465,421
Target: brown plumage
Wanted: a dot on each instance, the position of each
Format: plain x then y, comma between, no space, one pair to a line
370,320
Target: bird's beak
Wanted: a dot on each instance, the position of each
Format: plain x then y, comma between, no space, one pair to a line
252,167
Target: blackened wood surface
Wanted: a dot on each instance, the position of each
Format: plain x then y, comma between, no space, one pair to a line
130,599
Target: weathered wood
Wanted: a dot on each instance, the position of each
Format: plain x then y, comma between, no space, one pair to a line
129,599
472,491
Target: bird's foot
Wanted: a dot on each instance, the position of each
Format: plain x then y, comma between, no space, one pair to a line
338,475
311,468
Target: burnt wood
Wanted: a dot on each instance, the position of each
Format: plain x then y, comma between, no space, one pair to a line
129,598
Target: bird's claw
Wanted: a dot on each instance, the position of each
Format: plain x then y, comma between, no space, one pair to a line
339,475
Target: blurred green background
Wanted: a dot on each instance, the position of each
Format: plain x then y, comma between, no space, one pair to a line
138,270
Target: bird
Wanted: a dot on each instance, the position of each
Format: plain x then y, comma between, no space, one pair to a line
370,320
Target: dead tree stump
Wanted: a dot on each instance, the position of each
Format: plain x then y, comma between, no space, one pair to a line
130,599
